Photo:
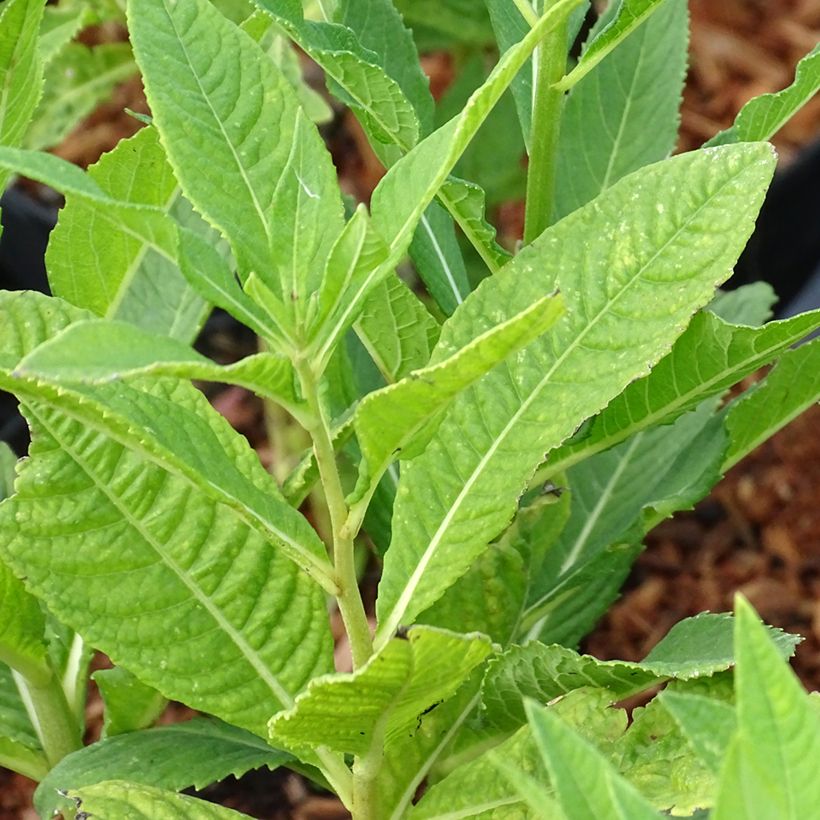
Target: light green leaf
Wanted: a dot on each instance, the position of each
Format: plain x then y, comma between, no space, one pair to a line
585,782
115,798
75,84
22,629
194,753
397,330
751,304
386,697
8,461
791,387
708,724
259,171
463,21
539,799
630,14
605,132
59,26
618,278
707,359
94,263
17,735
97,351
693,648
399,420
762,117
21,71
770,769
129,703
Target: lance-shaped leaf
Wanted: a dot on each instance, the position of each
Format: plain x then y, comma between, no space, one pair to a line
630,288
791,387
604,133
693,648
585,782
709,357
97,351
762,117
75,84
398,421
386,697
118,798
94,264
258,169
194,753
59,26
630,15
21,72
130,704
770,766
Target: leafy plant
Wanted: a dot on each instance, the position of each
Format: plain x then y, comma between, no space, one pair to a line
594,360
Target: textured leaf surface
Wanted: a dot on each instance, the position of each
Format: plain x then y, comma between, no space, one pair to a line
623,115
95,264
630,14
98,351
399,420
383,699
630,287
8,460
21,73
771,766
240,612
116,798
585,783
256,166
707,359
696,647
195,753
130,704
762,117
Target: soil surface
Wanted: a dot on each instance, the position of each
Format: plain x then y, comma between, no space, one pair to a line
759,531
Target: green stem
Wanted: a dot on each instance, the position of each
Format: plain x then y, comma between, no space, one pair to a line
51,717
548,107
348,597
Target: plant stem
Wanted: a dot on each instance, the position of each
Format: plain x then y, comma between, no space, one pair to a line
348,597
548,104
51,717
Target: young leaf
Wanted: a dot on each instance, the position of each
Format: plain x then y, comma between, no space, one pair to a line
585,783
696,647
21,73
130,704
771,763
630,14
194,753
94,264
115,798
385,698
604,128
258,169
19,746
762,117
398,421
617,279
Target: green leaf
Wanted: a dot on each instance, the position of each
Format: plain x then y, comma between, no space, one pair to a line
605,132
617,278
259,170
15,725
385,698
762,117
21,71
98,351
463,21
693,648
8,462
115,798
398,421
791,387
129,704
194,753
585,782
629,16
59,26
707,359
96,264
708,724
75,85
236,606
22,629
770,767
